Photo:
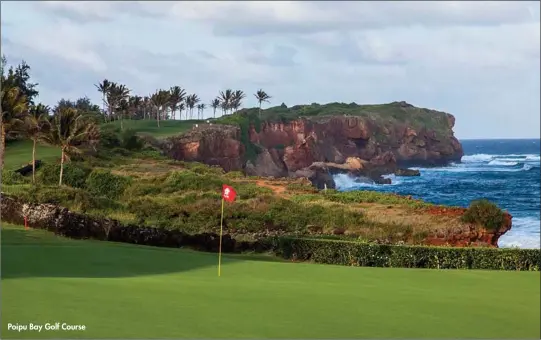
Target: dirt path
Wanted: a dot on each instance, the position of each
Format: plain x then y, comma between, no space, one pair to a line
278,189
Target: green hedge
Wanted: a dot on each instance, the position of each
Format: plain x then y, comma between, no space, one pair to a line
75,174
376,255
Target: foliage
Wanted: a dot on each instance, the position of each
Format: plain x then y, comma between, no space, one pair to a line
188,180
485,213
105,184
10,177
376,255
361,196
301,187
75,174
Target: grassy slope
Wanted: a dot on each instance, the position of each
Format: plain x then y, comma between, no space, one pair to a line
19,154
120,290
167,127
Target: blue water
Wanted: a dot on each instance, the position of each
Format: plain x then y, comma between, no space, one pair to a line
505,172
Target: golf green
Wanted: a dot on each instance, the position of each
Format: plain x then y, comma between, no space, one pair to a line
128,291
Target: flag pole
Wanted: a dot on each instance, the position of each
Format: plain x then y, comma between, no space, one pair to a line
221,231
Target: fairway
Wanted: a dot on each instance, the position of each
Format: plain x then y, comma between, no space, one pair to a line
128,291
167,128
19,154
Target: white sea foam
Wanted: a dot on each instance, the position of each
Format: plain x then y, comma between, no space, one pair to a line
477,158
502,162
523,234
346,182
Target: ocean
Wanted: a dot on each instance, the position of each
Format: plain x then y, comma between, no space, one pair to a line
506,172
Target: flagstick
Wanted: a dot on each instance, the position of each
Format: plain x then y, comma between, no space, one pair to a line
220,248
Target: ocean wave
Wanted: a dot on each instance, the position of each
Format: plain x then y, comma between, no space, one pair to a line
524,234
502,162
346,182
477,158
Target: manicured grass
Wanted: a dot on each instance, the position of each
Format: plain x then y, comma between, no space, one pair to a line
19,154
167,127
128,291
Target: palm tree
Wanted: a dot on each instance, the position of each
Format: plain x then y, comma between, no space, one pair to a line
200,109
261,96
225,98
116,95
69,130
104,88
160,99
236,100
214,104
191,101
176,97
36,126
13,110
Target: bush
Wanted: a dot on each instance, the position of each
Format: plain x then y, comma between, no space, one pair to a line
75,174
234,175
377,255
485,213
188,180
104,183
130,140
10,177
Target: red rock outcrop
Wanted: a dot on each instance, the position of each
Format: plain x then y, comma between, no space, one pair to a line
467,235
210,144
289,147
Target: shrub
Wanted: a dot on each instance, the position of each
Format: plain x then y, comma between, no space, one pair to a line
10,177
188,180
234,175
377,255
307,188
203,169
250,190
104,183
485,213
75,174
130,140
109,137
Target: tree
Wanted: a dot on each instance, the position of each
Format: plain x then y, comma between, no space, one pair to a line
116,95
215,104
13,110
177,95
261,96
36,126
70,131
226,98
104,88
160,100
236,100
191,101
200,110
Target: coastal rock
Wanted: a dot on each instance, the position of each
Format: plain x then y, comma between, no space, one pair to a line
407,172
210,144
364,143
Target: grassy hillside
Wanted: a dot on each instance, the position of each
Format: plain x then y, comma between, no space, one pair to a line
111,288
19,154
167,127
395,112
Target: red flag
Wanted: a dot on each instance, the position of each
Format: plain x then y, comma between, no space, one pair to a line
228,193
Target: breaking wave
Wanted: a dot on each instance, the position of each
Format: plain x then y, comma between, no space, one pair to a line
510,179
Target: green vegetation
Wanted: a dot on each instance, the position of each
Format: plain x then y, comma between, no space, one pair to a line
349,253
484,213
20,154
167,128
88,282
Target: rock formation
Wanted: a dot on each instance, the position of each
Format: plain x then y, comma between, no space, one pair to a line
284,149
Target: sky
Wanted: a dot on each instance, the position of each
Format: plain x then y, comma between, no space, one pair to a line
479,61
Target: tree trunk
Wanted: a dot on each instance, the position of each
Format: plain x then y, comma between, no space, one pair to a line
2,143
259,109
61,167
214,112
158,117
34,161
121,123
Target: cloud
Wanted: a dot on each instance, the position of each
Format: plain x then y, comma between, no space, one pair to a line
477,60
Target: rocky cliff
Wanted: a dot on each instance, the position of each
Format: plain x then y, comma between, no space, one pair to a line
285,141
